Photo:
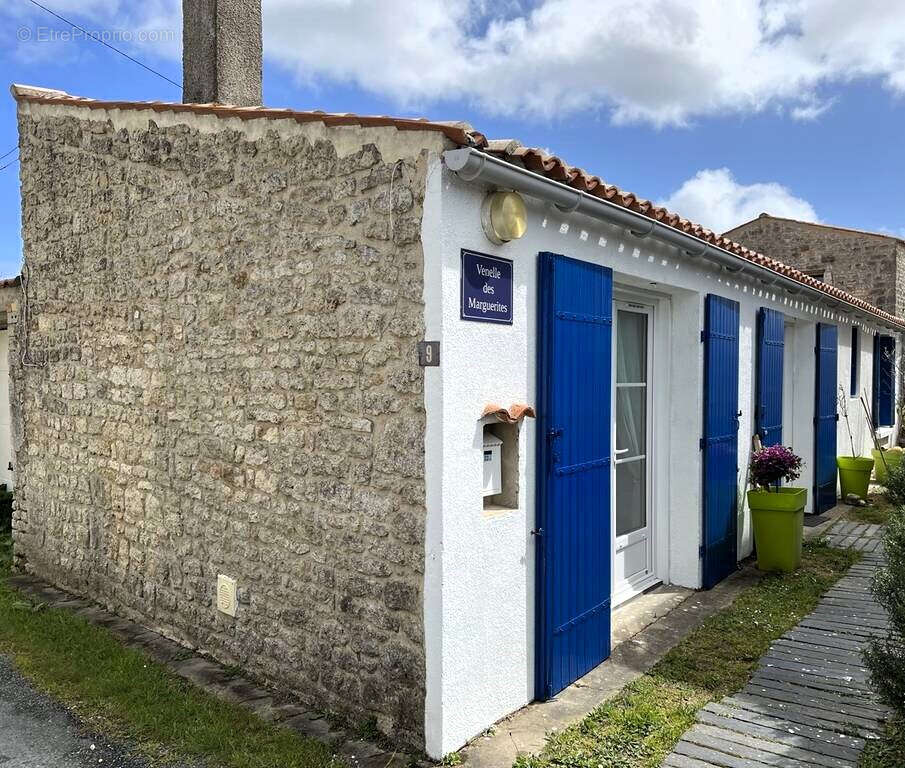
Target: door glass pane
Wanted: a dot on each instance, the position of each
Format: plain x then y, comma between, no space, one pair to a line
631,421
631,347
631,496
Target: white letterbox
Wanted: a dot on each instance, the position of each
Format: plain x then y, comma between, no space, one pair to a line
493,476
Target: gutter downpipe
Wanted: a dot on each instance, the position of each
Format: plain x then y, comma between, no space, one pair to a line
471,164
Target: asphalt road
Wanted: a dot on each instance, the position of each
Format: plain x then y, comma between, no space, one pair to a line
38,732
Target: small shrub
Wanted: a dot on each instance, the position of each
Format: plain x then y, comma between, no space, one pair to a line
772,464
887,751
885,657
895,485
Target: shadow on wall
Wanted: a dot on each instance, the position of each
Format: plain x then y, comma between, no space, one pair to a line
6,509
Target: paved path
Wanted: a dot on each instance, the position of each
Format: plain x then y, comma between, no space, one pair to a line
809,703
860,536
37,732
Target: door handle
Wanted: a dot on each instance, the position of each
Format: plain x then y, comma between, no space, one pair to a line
620,451
552,435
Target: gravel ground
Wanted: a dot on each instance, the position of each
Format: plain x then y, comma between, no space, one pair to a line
38,732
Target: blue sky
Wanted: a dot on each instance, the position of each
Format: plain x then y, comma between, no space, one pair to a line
719,109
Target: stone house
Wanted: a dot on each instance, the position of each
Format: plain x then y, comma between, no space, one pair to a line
869,265
298,355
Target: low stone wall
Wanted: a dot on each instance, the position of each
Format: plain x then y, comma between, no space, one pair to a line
216,373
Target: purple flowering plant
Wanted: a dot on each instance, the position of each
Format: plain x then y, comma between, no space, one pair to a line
772,464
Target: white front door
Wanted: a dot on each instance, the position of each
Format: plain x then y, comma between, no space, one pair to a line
633,569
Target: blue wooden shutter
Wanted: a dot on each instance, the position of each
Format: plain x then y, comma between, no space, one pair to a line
875,382
855,368
720,441
884,384
887,381
771,327
825,418
575,306
884,381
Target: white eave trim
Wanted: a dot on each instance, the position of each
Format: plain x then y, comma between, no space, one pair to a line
473,165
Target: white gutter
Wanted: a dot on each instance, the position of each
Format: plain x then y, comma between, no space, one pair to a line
473,165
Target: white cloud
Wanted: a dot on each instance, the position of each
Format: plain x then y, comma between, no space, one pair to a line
716,200
809,111
655,61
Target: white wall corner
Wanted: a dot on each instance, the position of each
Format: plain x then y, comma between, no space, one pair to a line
431,243
686,427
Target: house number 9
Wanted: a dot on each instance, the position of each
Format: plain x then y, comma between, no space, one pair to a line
428,353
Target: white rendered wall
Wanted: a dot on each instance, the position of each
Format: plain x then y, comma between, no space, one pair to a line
804,340
479,577
747,385
6,453
683,490
479,573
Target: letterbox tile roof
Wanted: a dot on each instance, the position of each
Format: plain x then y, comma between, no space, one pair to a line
462,134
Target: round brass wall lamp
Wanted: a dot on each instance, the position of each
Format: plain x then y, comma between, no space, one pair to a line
504,217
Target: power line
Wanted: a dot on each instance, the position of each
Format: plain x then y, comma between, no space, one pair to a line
5,154
96,38
11,162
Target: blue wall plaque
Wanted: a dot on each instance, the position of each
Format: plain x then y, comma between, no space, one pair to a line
486,288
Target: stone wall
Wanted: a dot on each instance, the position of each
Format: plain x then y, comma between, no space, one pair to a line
863,264
220,377
10,293
899,282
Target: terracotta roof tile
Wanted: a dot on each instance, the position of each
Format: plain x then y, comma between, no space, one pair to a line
511,415
457,132
532,158
553,167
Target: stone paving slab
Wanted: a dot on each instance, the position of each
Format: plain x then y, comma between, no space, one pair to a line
864,537
218,681
810,703
806,714
708,750
768,750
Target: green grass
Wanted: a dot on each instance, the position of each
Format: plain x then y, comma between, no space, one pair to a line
639,726
877,513
125,695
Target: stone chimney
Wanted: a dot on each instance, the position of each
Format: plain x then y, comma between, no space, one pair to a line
221,51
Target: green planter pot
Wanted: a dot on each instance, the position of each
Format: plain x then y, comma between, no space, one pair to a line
778,518
893,459
854,475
